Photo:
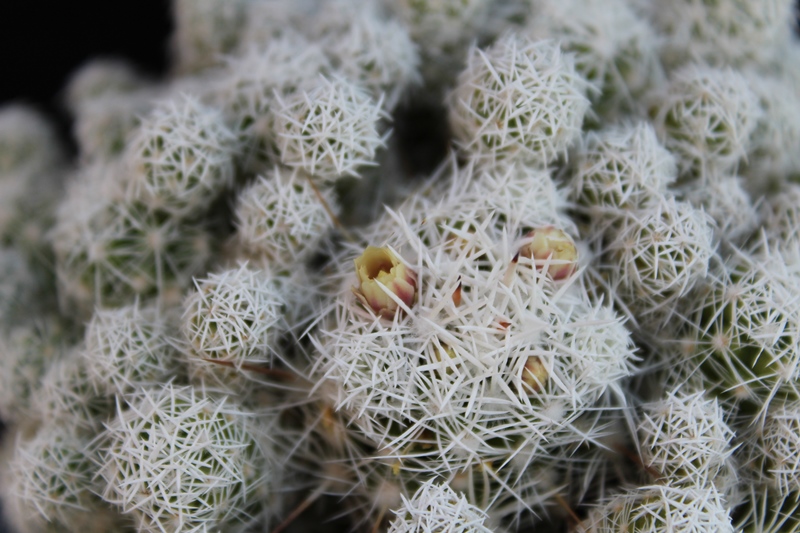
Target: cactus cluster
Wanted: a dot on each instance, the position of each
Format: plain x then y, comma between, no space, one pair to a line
257,299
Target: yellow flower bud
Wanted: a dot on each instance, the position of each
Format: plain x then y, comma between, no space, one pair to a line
381,266
534,375
553,244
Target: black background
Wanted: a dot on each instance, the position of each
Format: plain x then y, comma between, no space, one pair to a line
42,42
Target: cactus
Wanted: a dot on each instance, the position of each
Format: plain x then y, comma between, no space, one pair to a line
175,460
520,99
281,219
128,349
437,507
180,158
330,130
706,117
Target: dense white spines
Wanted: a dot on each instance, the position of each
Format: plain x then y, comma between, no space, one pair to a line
684,437
377,53
477,336
330,130
251,82
519,99
780,442
490,356
53,475
706,118
526,196
181,157
660,253
117,252
621,168
280,218
662,509
729,32
615,50
435,507
599,352
127,349
178,461
744,324
234,316
66,396
727,202
204,31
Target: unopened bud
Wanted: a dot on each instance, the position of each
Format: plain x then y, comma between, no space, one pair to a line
534,375
381,266
553,244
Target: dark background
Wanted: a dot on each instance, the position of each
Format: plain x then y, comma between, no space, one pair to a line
42,42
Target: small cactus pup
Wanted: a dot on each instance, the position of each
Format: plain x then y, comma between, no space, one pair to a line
282,218
745,32
385,282
552,250
180,158
232,318
53,478
661,509
109,252
177,460
706,117
128,349
615,50
619,169
519,99
330,130
684,437
657,255
249,87
437,507
742,324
